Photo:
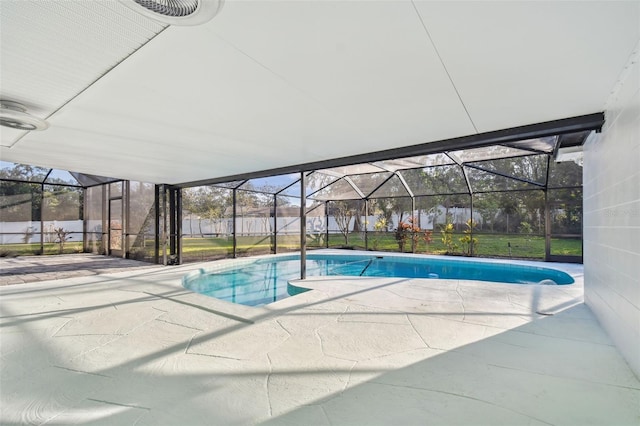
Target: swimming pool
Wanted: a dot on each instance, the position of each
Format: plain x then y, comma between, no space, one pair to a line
255,282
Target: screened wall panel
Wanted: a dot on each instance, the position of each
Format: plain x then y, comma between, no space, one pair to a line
512,224
565,174
338,190
20,201
207,223
565,215
254,225
317,181
293,190
514,199
62,219
288,225
95,237
61,177
22,172
20,211
392,187
115,189
346,224
142,221
447,179
441,221
545,144
271,184
389,212
532,169
386,217
483,181
486,153
62,203
370,182
417,162
87,180
316,225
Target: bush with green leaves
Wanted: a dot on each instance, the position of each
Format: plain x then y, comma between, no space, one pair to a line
446,233
469,242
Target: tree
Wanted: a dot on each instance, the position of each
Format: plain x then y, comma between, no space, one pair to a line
488,205
207,202
565,174
266,195
246,201
25,198
383,208
446,183
509,207
61,203
526,173
343,212
21,197
24,172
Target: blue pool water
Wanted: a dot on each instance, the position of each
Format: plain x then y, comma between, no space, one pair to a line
266,280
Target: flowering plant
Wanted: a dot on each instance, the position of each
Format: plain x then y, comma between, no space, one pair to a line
409,231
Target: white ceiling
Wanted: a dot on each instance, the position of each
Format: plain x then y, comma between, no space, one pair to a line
269,84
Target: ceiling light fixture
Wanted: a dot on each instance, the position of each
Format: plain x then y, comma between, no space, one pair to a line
15,115
177,12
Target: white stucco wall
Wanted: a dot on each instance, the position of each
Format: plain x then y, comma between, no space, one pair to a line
612,216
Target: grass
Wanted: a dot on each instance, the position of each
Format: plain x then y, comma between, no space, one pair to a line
34,248
496,245
502,245
522,246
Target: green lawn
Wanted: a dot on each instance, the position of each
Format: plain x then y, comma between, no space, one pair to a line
488,245
34,248
209,248
514,245
521,246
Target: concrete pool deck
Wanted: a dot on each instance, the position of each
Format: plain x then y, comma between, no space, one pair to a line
135,347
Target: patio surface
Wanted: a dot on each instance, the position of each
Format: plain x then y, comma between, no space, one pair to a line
28,269
135,347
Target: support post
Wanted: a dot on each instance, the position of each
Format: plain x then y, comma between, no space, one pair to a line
326,219
235,241
547,227
126,206
156,257
163,202
178,226
172,224
547,211
471,222
303,226
366,223
413,237
275,224
41,217
104,236
85,241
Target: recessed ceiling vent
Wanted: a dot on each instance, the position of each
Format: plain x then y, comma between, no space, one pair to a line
15,115
177,12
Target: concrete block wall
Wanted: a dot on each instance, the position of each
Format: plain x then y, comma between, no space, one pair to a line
612,216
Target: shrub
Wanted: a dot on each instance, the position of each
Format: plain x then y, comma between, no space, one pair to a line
406,231
447,237
469,242
62,236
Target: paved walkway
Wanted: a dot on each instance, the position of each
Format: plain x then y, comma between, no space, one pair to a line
26,269
135,347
